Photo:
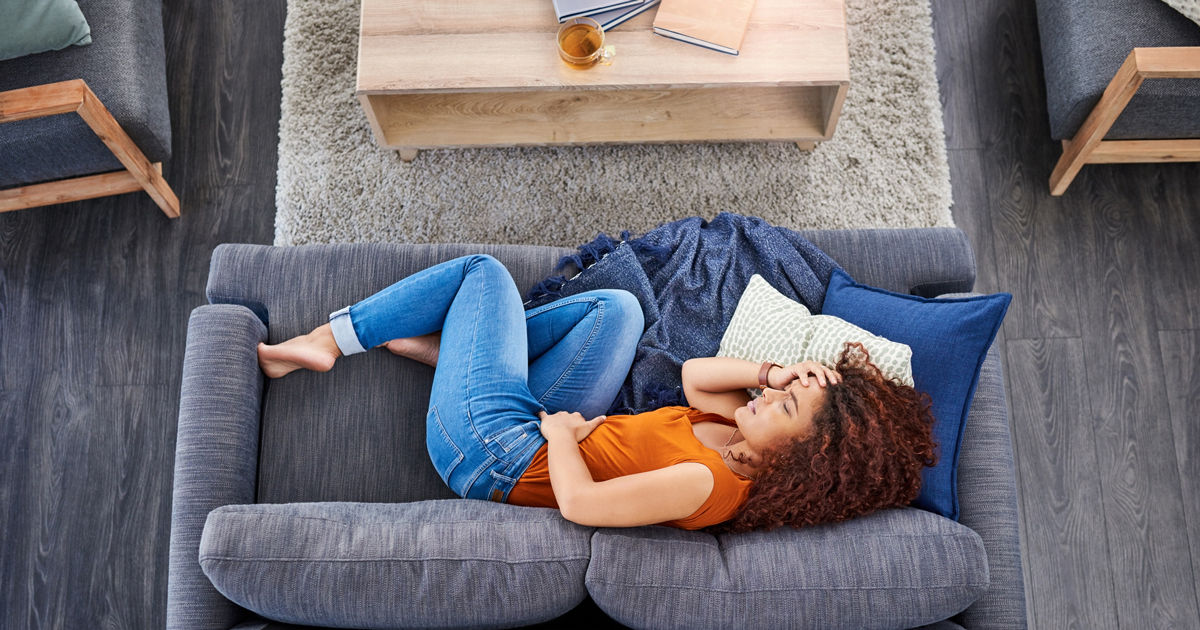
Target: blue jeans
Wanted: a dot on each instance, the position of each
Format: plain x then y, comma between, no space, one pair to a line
498,365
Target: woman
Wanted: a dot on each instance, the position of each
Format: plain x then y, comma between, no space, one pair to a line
513,391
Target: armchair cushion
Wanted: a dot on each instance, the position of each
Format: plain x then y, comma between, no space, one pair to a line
1084,42
430,564
892,569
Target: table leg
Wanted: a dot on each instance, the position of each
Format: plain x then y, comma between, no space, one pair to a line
407,155
807,145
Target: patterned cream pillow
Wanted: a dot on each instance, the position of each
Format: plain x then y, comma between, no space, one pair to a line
1189,8
767,326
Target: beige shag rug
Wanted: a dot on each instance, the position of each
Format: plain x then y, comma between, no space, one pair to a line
885,167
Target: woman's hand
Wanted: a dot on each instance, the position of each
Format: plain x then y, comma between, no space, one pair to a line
779,378
572,424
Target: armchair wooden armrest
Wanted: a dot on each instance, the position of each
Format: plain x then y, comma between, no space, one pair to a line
1089,147
76,96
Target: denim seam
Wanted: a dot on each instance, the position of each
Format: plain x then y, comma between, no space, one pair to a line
470,365
531,445
599,306
241,559
502,477
559,304
495,439
479,473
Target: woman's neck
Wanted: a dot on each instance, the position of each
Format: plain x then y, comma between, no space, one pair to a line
735,449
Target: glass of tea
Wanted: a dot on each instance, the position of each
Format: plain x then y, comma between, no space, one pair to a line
581,44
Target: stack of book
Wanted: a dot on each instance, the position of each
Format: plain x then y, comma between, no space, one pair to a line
714,24
608,13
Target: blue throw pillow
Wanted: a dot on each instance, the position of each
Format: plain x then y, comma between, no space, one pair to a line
949,338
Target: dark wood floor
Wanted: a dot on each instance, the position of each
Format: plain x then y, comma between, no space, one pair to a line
94,303
1100,345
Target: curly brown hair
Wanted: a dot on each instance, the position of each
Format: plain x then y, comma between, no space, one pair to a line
871,438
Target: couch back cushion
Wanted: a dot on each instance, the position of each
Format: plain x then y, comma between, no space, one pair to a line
431,564
893,569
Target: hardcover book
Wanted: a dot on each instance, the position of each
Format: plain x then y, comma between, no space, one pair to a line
567,9
716,24
609,19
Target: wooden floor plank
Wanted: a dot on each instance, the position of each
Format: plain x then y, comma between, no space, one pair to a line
1033,253
1181,363
971,214
225,107
227,116
130,573
1070,585
1172,207
1143,506
98,292
54,277
68,523
956,74
17,521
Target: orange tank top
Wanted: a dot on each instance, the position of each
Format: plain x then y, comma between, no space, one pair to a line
625,445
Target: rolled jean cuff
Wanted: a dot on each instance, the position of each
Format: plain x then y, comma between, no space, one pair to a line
343,332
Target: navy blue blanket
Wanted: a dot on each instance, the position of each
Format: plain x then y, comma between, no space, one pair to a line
688,277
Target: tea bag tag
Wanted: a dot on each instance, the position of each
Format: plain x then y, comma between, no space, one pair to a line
606,57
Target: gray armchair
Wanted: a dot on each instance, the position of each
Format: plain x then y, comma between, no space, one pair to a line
334,467
118,87
1096,55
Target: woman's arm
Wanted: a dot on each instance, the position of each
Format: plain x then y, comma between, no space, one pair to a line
647,498
718,384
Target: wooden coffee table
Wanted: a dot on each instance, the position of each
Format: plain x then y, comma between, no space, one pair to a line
486,73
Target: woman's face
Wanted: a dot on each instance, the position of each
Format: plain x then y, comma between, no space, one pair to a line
780,414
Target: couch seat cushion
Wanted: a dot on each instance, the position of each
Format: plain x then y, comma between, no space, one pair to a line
893,569
432,564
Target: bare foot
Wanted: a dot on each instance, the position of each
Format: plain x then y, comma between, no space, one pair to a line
424,348
315,351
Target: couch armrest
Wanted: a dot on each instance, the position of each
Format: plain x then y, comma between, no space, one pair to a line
987,496
918,261
216,453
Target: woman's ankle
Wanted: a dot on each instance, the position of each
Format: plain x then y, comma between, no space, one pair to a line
322,337
316,351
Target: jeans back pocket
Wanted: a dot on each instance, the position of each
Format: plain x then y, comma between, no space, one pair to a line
512,437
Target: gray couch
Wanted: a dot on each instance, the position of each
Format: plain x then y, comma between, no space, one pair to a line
125,65
311,498
1084,42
